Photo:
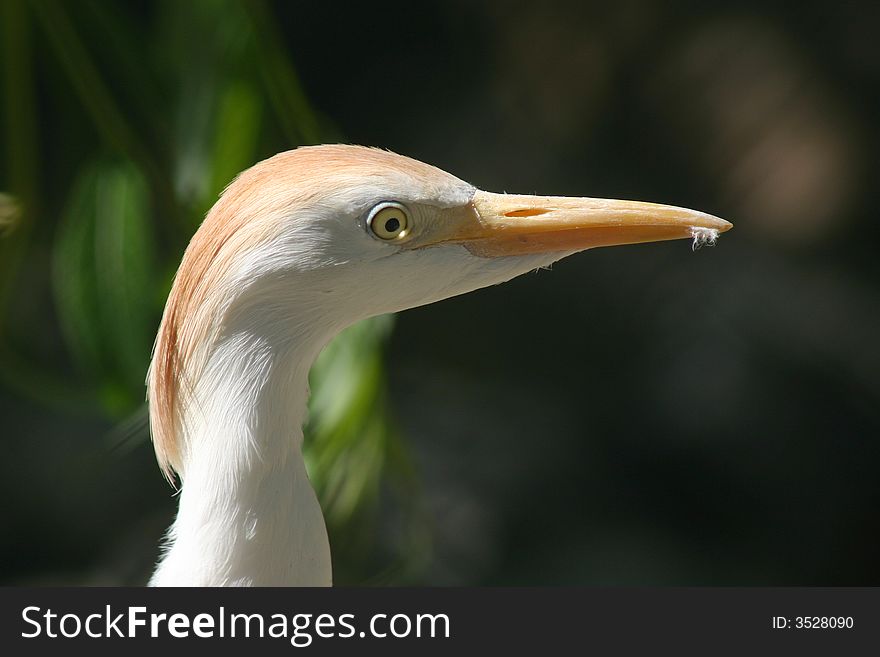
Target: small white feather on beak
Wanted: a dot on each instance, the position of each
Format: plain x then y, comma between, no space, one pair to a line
703,237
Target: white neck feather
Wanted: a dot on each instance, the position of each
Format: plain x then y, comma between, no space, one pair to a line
248,515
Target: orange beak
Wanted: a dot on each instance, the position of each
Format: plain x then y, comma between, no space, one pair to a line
510,224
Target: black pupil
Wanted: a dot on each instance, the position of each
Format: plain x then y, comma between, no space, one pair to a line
392,224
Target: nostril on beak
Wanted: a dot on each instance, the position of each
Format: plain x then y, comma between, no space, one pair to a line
526,212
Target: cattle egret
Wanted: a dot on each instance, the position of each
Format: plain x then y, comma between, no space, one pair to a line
297,248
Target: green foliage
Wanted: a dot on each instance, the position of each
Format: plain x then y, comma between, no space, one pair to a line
238,121
348,389
174,119
104,275
9,213
353,444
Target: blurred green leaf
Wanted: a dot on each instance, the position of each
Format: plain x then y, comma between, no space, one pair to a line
200,74
74,276
348,418
236,132
292,109
104,274
9,213
125,268
353,450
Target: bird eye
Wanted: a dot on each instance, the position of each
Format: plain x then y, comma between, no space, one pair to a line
388,221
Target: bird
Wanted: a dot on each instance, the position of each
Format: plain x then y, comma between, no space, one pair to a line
296,248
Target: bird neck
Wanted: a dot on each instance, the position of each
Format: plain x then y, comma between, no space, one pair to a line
248,514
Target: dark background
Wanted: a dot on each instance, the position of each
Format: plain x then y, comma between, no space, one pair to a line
639,415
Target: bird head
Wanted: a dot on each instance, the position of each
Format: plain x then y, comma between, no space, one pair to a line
320,237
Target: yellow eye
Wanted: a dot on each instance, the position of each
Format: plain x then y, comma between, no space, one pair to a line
388,221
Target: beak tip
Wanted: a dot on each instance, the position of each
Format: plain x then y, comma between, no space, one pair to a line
717,223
